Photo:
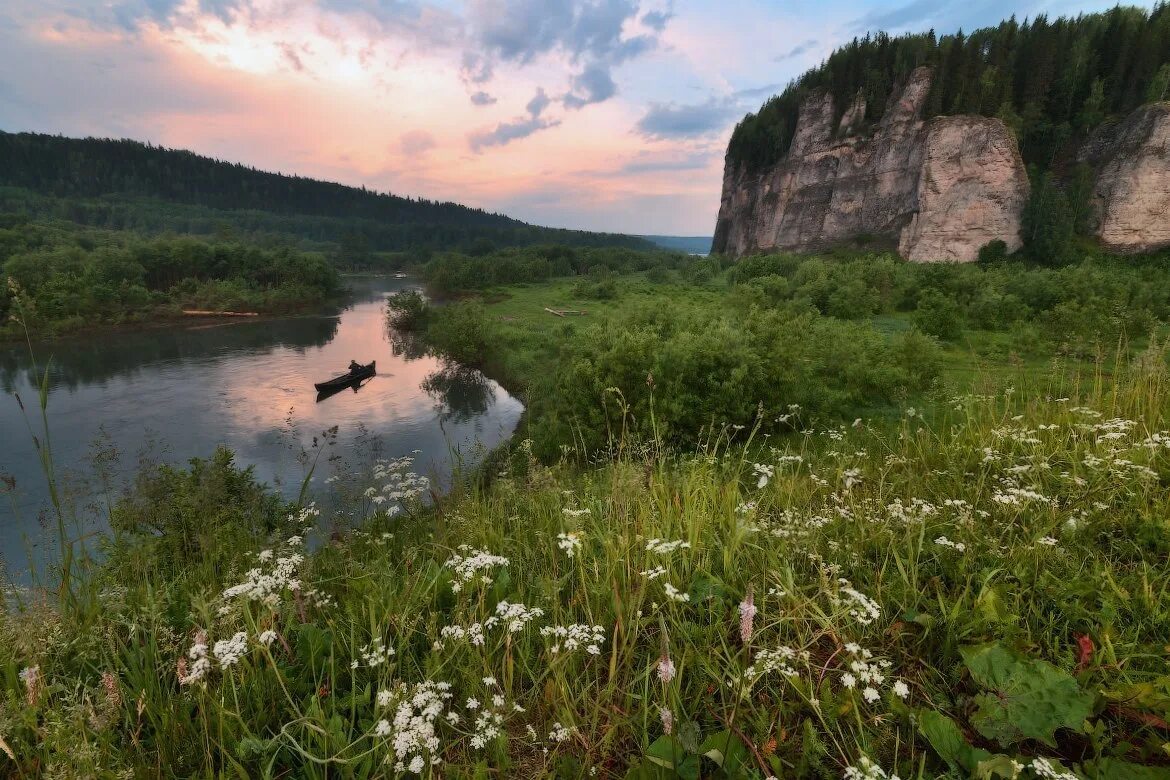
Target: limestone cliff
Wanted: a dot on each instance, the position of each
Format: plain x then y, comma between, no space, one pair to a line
1131,196
939,190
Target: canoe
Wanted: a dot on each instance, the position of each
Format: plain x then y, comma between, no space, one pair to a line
345,380
323,395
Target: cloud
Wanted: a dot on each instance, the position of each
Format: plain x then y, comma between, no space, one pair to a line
108,85
590,33
521,127
915,12
475,69
592,85
292,57
766,90
656,20
506,132
669,120
416,142
647,162
482,98
796,51
539,102
129,15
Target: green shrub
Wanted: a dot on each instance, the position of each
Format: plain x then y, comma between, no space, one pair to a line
993,252
461,331
406,309
939,315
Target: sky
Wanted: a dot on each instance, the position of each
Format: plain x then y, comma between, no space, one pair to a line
593,114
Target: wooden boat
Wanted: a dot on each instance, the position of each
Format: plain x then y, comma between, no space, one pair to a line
323,395
345,380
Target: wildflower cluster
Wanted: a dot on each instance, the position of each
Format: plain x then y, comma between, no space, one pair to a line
513,617
268,583
569,542
374,654
470,564
943,541
861,607
414,741
195,666
664,547
867,770
229,651
570,638
870,673
777,659
399,484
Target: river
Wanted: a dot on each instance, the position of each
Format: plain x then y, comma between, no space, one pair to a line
127,399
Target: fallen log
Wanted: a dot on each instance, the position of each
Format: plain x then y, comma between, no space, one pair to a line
202,313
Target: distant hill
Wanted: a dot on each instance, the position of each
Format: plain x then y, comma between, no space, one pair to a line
131,185
695,245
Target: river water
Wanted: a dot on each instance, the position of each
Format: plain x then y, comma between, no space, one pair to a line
124,400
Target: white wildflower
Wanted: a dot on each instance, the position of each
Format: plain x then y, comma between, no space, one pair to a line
569,542
228,652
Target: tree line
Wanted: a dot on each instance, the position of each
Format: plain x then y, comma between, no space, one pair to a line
58,277
127,185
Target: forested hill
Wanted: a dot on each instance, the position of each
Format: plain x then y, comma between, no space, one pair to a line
1050,81
105,182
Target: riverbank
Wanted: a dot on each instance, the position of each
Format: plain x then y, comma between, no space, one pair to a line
823,604
165,321
725,343
828,594
61,278
163,395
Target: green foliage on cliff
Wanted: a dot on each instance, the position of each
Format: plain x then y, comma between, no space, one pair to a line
1051,81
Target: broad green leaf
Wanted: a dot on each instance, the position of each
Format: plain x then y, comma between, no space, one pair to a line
648,770
997,766
668,752
991,607
727,751
1113,769
1026,698
705,586
947,740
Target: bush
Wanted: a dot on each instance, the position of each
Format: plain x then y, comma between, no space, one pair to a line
710,371
461,331
939,315
175,516
605,289
406,309
658,274
993,252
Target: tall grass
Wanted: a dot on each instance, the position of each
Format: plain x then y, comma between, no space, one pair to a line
981,592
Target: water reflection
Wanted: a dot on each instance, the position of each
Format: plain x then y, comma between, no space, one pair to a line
171,394
461,393
76,362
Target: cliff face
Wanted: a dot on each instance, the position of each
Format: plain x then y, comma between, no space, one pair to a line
939,190
1131,197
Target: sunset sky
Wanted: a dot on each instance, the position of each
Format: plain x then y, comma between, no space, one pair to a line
596,114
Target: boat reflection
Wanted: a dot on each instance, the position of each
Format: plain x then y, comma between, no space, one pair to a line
332,391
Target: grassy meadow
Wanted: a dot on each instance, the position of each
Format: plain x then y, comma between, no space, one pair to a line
888,554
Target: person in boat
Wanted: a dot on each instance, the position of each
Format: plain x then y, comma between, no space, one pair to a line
355,366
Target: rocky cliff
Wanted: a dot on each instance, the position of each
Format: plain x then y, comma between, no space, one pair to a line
1131,196
939,190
